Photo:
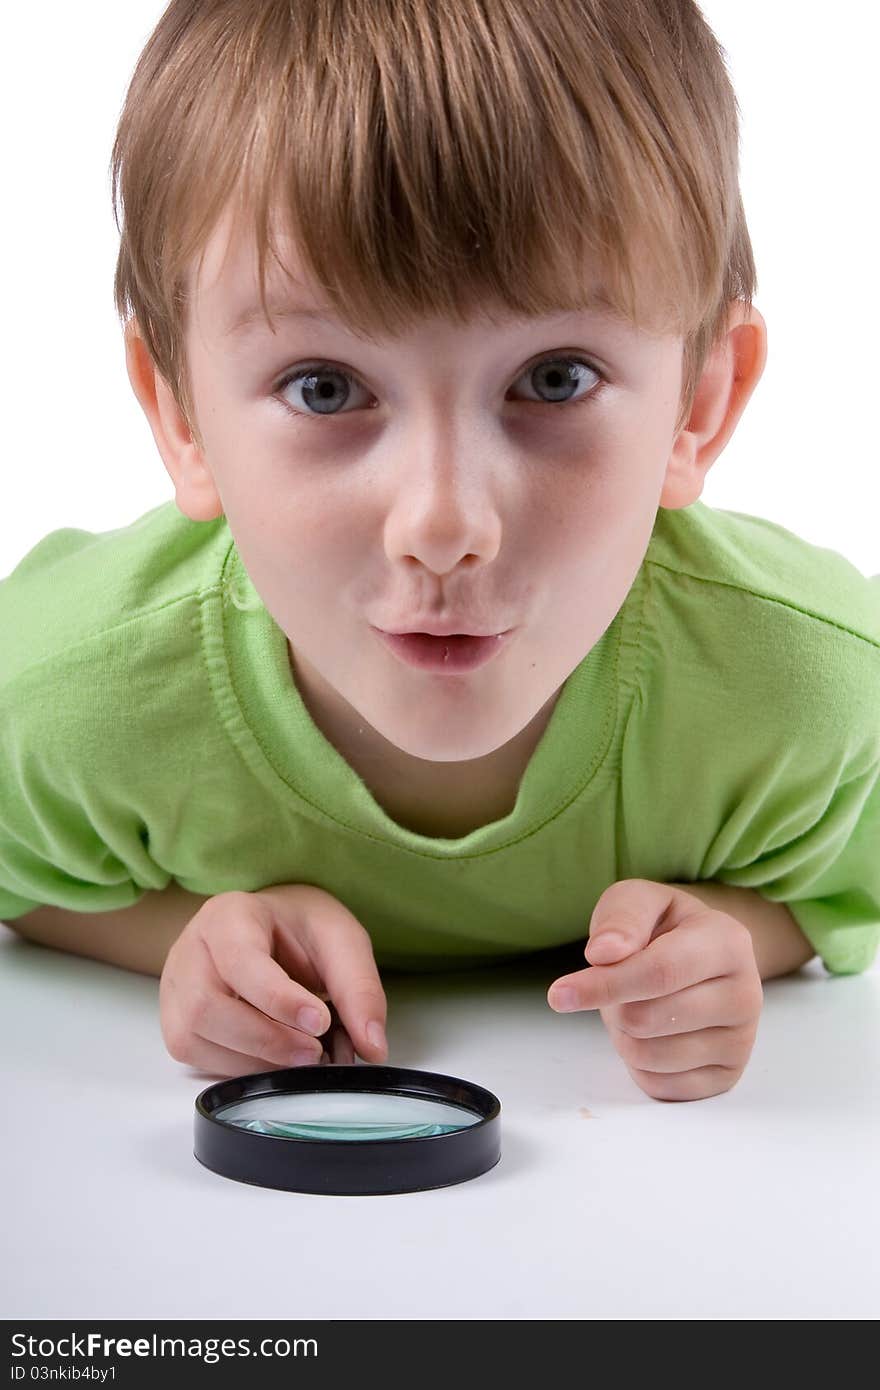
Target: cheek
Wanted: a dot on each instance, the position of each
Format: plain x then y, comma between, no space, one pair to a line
299,532
599,534
292,502
625,471
591,512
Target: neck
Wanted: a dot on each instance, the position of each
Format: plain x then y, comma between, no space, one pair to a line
438,799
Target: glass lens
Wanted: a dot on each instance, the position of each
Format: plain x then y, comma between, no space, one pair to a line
354,1115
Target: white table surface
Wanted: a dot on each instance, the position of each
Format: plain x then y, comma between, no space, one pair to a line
761,1203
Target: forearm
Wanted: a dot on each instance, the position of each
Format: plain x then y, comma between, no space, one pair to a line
780,945
136,938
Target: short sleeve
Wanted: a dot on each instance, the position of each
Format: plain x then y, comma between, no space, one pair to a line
841,916
823,862
69,836
51,855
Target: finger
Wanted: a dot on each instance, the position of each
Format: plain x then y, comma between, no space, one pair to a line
343,951
712,1002
727,1047
215,1060
634,911
629,914
209,1011
670,963
235,1024
242,959
697,1084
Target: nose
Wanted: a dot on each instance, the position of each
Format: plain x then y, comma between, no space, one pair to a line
444,504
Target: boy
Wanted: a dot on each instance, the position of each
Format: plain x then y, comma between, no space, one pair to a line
470,669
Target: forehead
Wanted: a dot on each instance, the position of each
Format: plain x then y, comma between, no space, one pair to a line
226,283
225,291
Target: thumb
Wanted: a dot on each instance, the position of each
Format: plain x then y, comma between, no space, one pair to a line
626,917
343,952
339,951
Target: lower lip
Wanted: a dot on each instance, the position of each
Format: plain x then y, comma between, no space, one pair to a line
447,655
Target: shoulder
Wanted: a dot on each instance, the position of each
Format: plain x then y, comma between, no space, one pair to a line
769,564
780,625
100,645
77,594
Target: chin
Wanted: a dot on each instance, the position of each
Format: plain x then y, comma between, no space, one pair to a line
445,746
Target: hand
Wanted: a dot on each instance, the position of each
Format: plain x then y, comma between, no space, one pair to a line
676,985
244,966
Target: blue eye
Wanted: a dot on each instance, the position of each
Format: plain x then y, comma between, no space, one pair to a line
327,389
561,376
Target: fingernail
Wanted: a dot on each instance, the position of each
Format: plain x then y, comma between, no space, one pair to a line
609,946
310,1020
563,1000
376,1034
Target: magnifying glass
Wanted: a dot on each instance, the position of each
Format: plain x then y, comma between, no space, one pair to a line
347,1130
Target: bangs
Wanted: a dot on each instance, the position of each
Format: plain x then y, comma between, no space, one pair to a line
437,157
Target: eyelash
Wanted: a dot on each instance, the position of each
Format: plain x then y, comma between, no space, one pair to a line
316,367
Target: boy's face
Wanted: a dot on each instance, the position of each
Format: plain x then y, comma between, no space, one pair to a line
440,474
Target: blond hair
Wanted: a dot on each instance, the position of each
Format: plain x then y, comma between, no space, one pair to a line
432,156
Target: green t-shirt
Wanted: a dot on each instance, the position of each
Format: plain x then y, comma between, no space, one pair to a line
725,726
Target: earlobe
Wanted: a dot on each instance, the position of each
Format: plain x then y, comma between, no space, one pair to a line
730,375
195,492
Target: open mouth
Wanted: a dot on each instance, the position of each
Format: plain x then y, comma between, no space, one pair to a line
451,655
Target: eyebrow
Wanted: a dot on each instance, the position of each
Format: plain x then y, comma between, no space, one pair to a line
252,317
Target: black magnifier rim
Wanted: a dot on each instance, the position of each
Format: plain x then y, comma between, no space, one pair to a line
346,1167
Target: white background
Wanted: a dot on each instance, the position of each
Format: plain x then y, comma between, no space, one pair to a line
77,450
759,1203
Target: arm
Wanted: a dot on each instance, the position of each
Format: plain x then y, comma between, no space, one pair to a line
779,944
137,938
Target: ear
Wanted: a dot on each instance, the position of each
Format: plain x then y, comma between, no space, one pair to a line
730,375
195,492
